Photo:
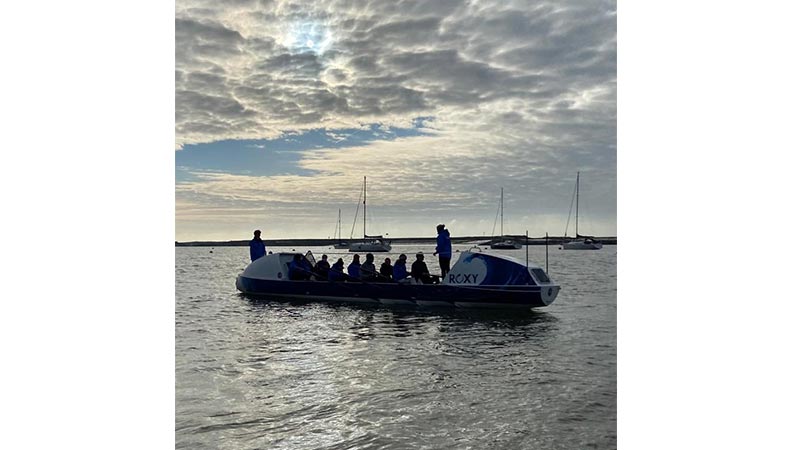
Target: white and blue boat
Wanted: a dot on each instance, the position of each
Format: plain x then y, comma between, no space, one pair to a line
477,280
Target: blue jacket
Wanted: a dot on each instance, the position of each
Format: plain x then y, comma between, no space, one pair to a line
443,244
296,272
354,270
399,270
336,272
257,249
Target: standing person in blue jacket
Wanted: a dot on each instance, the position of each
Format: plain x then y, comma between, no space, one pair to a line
443,249
257,248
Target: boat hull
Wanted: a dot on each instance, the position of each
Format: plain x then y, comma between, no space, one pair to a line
395,294
580,245
506,246
369,247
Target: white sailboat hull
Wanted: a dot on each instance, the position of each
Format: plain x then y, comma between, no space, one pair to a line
582,245
506,245
370,247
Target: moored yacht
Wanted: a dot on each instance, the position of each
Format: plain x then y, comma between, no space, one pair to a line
580,242
369,243
502,243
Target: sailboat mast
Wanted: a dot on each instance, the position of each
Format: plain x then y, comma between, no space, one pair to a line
577,203
501,212
364,207
339,225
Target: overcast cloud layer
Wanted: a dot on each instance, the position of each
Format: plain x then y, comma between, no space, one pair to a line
521,95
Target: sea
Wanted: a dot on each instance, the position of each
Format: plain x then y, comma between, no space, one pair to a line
274,374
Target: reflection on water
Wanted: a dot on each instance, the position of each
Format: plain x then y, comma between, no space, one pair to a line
294,374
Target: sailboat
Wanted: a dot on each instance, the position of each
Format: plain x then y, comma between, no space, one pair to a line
580,242
504,244
339,244
369,243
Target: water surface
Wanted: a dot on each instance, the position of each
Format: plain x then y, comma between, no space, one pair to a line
302,375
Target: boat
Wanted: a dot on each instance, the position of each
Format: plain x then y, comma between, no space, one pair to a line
373,244
369,243
580,242
477,280
339,244
503,243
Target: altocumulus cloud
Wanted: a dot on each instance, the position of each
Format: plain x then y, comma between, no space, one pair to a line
522,94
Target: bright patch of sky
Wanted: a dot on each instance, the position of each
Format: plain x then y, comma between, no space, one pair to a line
281,156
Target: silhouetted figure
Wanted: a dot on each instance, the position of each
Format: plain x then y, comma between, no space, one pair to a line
336,272
257,247
443,249
354,268
299,268
322,268
386,270
400,268
420,271
368,272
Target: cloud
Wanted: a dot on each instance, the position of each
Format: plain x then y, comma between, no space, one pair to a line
522,93
384,58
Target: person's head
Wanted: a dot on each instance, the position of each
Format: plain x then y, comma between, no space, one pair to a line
324,257
257,233
402,257
387,261
340,262
440,227
369,257
356,258
419,256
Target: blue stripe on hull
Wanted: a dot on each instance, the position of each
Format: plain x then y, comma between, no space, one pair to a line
390,293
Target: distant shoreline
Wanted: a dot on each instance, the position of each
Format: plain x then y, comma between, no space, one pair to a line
552,240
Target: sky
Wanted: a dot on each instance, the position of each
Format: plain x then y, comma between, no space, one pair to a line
282,108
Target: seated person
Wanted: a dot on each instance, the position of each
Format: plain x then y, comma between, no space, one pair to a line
400,268
322,268
420,271
354,268
368,272
298,270
336,272
307,267
386,270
